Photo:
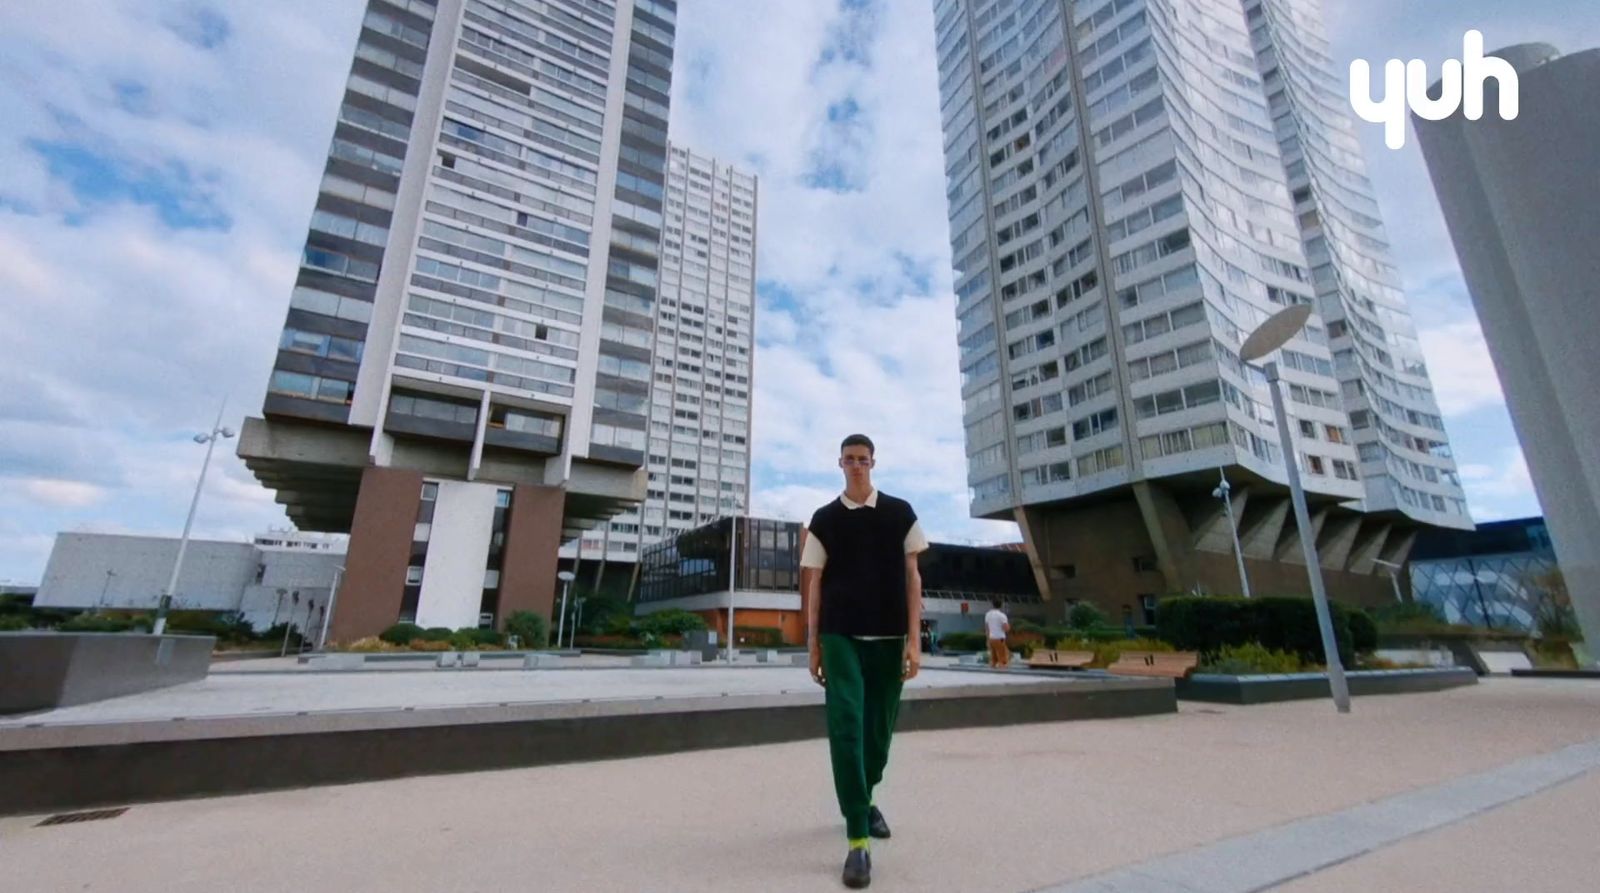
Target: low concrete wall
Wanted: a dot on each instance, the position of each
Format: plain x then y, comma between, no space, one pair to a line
1306,686
43,670
115,763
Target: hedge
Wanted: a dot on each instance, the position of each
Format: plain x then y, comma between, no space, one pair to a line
1210,624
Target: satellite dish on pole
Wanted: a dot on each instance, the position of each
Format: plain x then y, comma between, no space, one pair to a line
1272,334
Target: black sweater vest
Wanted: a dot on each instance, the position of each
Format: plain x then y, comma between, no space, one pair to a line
864,579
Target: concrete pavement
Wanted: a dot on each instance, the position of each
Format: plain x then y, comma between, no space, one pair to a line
1020,808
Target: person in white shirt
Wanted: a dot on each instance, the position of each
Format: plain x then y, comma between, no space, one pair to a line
998,625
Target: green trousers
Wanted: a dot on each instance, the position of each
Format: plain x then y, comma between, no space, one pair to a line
863,696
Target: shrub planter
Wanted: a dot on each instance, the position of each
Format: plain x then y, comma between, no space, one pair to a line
1305,686
45,670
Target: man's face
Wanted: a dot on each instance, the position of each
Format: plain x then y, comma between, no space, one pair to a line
857,464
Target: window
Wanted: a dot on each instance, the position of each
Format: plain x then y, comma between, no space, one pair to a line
422,532
413,576
1144,563
430,491
1308,430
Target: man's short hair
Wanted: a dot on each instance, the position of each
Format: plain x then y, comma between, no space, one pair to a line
995,602
859,440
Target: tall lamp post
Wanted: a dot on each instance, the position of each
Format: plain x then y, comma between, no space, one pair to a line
733,561
327,614
1222,493
566,583
1394,569
1267,338
210,440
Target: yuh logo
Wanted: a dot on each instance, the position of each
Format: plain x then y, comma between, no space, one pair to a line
1406,83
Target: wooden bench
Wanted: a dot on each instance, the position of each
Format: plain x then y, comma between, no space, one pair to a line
1167,664
1048,659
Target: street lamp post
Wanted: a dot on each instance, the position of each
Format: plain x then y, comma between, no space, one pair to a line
1267,338
733,560
288,626
1394,569
566,583
109,574
327,613
1222,493
210,440
577,618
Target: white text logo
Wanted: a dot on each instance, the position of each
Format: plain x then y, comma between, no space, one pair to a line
1406,83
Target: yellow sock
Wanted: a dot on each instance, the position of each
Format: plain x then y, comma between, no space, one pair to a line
859,843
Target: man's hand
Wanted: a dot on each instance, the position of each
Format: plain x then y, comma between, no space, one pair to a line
912,661
816,664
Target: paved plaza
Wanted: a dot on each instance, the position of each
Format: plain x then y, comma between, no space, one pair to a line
1485,788
283,686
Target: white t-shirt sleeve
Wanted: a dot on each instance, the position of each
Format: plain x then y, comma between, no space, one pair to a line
916,540
995,621
814,556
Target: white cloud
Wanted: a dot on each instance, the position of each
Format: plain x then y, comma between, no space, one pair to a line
123,330
1463,375
71,494
1500,490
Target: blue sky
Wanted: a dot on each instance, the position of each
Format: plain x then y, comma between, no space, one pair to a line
160,162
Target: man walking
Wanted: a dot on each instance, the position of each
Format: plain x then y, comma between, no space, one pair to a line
998,626
864,599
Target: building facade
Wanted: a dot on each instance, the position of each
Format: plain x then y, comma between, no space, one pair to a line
265,581
463,377
1522,202
699,457
1134,186
690,571
1503,575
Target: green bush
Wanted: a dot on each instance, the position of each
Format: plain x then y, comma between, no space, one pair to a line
1251,659
1085,616
532,630
12,623
673,621
90,622
1106,652
227,626
436,634
1208,624
401,633
1363,631
963,641
759,636
470,638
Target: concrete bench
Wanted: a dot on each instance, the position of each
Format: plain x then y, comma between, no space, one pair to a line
653,659
767,656
447,659
469,658
1162,664
537,661
1060,660
337,661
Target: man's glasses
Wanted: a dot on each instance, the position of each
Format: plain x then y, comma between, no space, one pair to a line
853,462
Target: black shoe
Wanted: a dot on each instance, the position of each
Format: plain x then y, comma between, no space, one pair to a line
857,869
876,826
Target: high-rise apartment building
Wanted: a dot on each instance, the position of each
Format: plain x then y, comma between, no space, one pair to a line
463,379
699,458
1134,186
1522,200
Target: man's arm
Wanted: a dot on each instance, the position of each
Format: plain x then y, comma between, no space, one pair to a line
913,658
812,559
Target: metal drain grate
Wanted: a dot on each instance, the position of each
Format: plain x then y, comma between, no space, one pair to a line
93,815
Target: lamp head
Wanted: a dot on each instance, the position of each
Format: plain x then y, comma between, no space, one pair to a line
1275,332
